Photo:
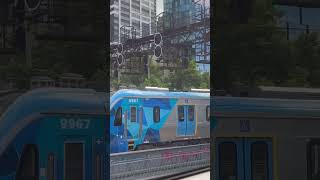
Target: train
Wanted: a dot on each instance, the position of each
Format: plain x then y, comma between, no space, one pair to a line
265,139
61,133
64,133
144,119
53,134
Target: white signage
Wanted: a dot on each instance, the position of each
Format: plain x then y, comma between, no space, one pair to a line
74,123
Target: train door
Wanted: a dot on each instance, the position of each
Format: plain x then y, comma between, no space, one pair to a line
186,124
244,159
191,121
81,149
75,161
132,120
182,121
140,118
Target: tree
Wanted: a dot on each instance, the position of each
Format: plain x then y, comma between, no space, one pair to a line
187,78
254,53
156,77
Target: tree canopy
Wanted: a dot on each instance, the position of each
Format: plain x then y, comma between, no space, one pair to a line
181,78
258,52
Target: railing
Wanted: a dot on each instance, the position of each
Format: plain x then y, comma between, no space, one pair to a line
157,163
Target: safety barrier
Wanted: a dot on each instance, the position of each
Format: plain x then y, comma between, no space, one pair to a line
157,163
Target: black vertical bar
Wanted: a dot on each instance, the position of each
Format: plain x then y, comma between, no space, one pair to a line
307,29
300,14
288,29
4,35
309,166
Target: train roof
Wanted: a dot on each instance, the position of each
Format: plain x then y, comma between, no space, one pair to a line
50,100
265,107
155,94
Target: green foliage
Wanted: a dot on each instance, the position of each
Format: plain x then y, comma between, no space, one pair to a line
258,53
18,71
180,79
77,57
156,77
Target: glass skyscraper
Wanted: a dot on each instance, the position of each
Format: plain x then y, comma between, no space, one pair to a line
182,13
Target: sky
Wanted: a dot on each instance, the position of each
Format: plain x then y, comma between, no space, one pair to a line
159,6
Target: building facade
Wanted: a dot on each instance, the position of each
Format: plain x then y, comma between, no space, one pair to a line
183,13
138,17
178,13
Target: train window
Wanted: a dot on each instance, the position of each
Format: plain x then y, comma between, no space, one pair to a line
191,113
314,160
29,163
8,161
156,114
208,113
98,167
74,157
118,119
133,114
228,161
181,113
259,161
50,167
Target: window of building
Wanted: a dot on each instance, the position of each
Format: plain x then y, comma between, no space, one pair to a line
156,114
228,161
133,114
51,167
118,118
29,163
125,3
259,161
181,113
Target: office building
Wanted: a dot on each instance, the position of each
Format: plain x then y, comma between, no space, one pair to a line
182,13
138,14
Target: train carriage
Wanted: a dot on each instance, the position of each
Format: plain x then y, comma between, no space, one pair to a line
140,118
53,134
265,139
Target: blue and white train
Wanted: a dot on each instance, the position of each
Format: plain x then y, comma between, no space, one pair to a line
55,134
147,119
265,139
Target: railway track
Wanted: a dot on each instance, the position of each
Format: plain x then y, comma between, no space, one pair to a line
182,175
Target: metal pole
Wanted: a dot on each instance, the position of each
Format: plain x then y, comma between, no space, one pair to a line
300,14
119,74
4,35
288,29
28,28
149,63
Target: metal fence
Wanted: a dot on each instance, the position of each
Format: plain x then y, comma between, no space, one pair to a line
157,163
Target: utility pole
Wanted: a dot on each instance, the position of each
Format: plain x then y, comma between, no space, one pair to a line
149,63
